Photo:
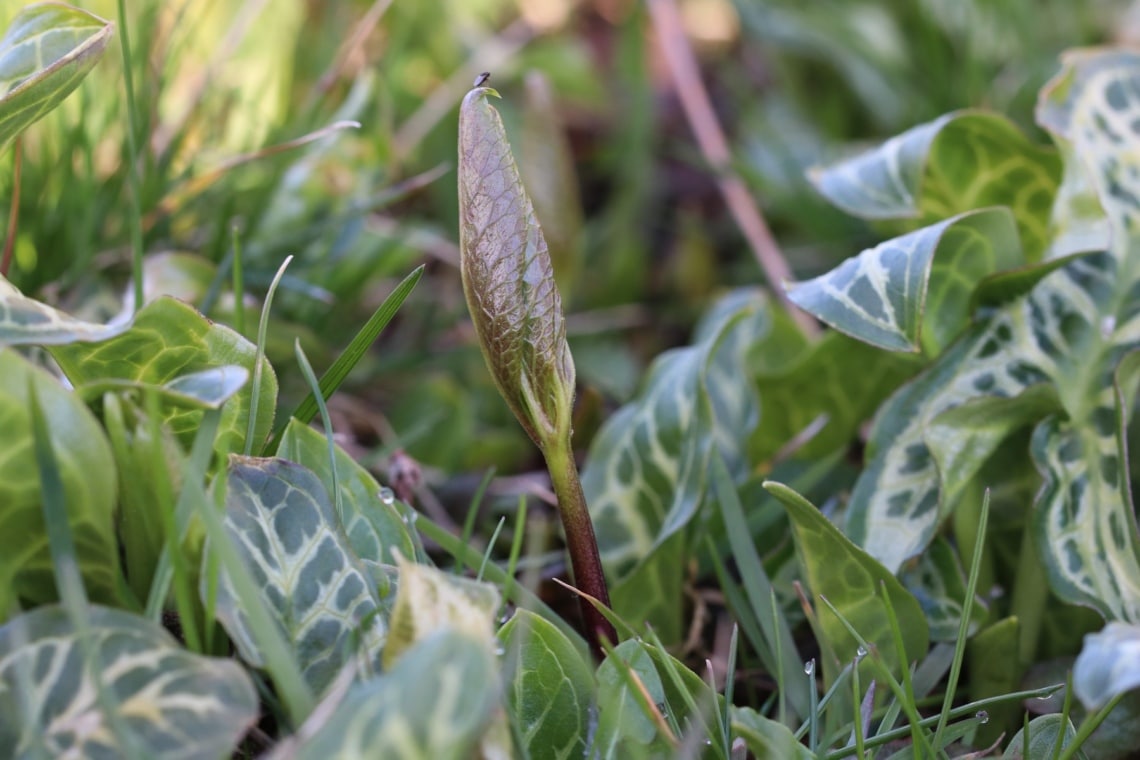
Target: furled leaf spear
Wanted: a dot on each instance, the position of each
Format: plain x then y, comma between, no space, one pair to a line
509,284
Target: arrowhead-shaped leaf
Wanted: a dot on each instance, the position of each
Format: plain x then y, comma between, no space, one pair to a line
851,580
320,596
436,703
1072,333
914,292
44,55
956,163
375,529
165,699
25,321
429,599
168,342
1108,665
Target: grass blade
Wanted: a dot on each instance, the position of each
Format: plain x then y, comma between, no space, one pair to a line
351,355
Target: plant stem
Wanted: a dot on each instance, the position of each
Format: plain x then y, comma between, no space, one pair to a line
580,541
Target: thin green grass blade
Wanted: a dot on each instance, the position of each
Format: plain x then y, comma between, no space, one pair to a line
699,711
757,586
516,543
971,709
351,355
201,451
875,658
326,420
65,565
239,285
1090,724
473,512
490,547
135,217
917,737
730,683
262,330
166,507
964,623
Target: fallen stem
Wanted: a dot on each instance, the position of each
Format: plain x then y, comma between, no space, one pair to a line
714,147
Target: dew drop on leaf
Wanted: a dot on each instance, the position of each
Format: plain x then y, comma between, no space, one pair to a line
982,716
387,495
809,667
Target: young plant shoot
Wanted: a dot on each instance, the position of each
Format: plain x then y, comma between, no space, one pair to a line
509,283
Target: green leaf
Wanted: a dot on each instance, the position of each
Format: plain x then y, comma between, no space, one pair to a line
914,293
434,704
850,579
624,729
644,472
819,381
25,321
351,355
374,527
1108,665
168,342
938,582
46,52
766,739
551,692
508,278
1073,332
88,473
167,698
322,600
959,162
429,599
208,389
1044,733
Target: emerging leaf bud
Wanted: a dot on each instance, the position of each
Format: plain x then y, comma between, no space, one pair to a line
508,278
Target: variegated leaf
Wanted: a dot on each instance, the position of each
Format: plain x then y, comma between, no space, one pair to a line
551,689
1070,332
320,596
167,702
89,483
374,527
429,599
207,389
44,55
938,582
436,703
1108,665
914,292
956,163
25,321
643,475
170,340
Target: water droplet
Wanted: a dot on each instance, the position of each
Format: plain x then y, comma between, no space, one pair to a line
982,716
860,653
500,651
1108,326
809,667
1045,697
387,495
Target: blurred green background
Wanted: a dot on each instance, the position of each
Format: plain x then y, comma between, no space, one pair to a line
649,242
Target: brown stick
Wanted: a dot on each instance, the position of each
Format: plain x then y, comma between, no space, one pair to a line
14,213
714,147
